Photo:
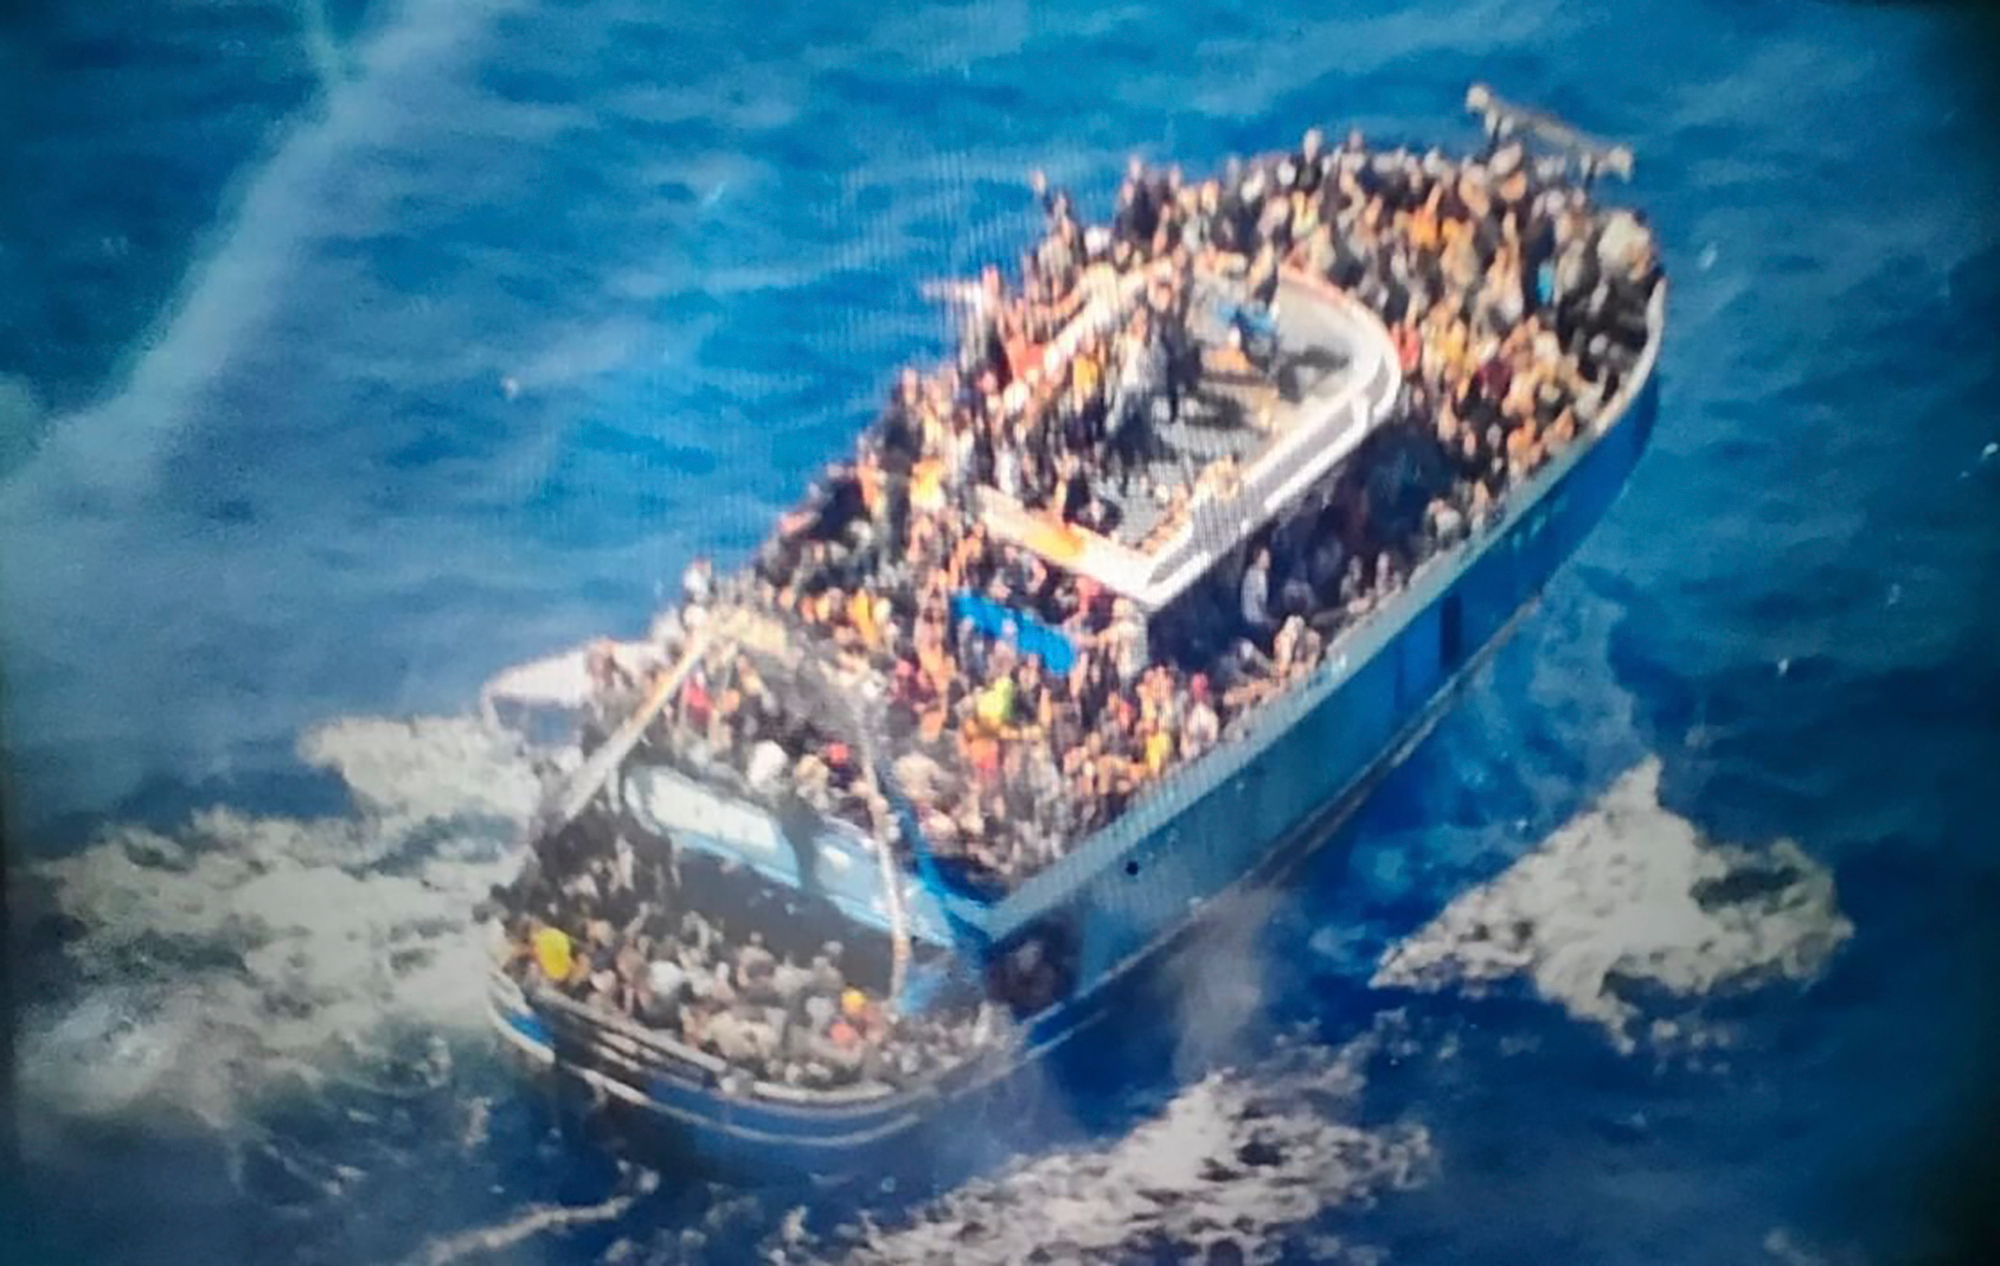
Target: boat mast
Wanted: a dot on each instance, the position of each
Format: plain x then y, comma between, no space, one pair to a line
1505,119
575,793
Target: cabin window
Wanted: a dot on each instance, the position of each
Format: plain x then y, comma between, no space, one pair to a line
1451,631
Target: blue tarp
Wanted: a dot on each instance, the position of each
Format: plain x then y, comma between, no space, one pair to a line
1251,318
1028,634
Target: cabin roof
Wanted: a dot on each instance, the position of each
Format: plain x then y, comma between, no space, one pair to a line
1239,454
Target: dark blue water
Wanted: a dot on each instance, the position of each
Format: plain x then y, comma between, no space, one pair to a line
350,352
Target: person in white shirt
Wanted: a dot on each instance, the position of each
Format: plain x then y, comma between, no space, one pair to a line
1127,641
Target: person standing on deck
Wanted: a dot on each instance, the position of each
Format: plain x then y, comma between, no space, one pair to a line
1180,355
1255,595
1202,727
1138,212
1127,640
1141,377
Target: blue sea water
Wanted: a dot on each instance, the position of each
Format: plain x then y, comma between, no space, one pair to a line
351,352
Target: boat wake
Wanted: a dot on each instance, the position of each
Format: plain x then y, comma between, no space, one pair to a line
1629,899
1235,1168
199,968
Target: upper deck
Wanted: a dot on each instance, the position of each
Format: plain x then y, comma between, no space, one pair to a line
1240,450
839,860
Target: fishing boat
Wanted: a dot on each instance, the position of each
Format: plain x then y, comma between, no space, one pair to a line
982,972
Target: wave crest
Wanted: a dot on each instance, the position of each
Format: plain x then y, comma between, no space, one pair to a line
218,958
1630,893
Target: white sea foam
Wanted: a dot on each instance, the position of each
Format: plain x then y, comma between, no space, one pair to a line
1238,1156
1629,891
220,958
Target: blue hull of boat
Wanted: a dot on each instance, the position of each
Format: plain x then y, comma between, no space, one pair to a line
1242,817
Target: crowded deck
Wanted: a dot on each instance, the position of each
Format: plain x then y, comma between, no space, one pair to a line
1172,461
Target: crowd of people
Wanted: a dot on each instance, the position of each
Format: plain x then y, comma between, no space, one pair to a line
678,944
1516,308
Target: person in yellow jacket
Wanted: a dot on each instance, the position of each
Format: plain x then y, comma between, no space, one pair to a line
927,484
553,953
995,707
861,614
